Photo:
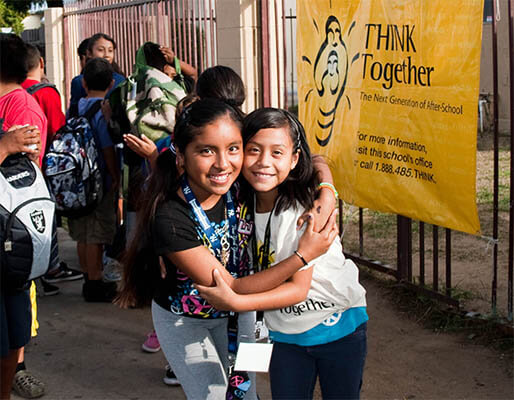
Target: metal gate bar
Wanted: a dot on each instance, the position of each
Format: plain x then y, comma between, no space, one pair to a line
496,178
511,197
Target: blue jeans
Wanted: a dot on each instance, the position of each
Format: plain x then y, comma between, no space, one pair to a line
339,364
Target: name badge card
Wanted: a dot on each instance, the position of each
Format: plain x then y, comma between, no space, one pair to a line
253,357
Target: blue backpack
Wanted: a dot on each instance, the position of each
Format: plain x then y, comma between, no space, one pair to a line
72,169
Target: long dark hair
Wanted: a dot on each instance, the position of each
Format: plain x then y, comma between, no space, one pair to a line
301,184
140,265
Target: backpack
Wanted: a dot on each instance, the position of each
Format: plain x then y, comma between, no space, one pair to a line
27,223
34,88
147,100
71,167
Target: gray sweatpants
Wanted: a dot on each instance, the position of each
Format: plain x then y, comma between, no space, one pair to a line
246,333
197,350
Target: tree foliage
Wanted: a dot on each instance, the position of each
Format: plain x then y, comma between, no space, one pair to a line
22,6
12,17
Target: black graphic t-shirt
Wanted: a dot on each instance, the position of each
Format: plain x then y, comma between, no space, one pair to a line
175,230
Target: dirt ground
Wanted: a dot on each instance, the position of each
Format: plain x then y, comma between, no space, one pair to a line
407,361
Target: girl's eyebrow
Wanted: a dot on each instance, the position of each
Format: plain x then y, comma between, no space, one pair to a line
273,144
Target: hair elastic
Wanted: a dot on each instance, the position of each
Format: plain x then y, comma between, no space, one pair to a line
301,257
331,187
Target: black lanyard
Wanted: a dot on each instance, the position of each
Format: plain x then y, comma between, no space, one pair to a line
265,260
265,248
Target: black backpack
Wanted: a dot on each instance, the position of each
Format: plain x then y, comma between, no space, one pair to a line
34,88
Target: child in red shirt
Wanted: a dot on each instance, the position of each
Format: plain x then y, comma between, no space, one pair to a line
17,107
48,98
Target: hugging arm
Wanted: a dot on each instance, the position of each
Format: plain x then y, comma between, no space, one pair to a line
293,291
198,263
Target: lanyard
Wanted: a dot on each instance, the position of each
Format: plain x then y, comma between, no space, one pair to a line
264,254
265,260
213,235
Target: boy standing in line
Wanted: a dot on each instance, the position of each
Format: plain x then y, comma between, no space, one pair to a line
97,229
47,97
49,100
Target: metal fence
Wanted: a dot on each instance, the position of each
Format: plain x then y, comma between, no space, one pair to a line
429,278
187,26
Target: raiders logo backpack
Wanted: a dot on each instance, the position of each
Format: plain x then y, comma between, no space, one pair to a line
26,223
71,167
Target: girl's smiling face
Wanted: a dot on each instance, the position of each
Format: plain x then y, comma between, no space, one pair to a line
213,160
269,157
103,49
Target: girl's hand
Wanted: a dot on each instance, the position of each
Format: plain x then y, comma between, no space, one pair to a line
313,244
169,55
221,296
322,210
143,146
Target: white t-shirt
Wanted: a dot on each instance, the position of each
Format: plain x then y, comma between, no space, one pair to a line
335,283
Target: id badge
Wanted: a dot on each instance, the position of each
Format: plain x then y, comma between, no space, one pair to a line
253,357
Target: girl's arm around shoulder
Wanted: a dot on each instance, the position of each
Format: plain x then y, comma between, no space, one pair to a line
198,263
288,293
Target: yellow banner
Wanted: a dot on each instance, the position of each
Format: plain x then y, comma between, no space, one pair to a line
388,91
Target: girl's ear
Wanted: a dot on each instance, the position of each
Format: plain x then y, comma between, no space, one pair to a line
180,160
294,160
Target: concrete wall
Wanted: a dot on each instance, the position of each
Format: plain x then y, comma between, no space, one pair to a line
54,49
237,43
486,66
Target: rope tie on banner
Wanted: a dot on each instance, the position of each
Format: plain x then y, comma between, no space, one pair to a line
490,242
345,224
498,16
